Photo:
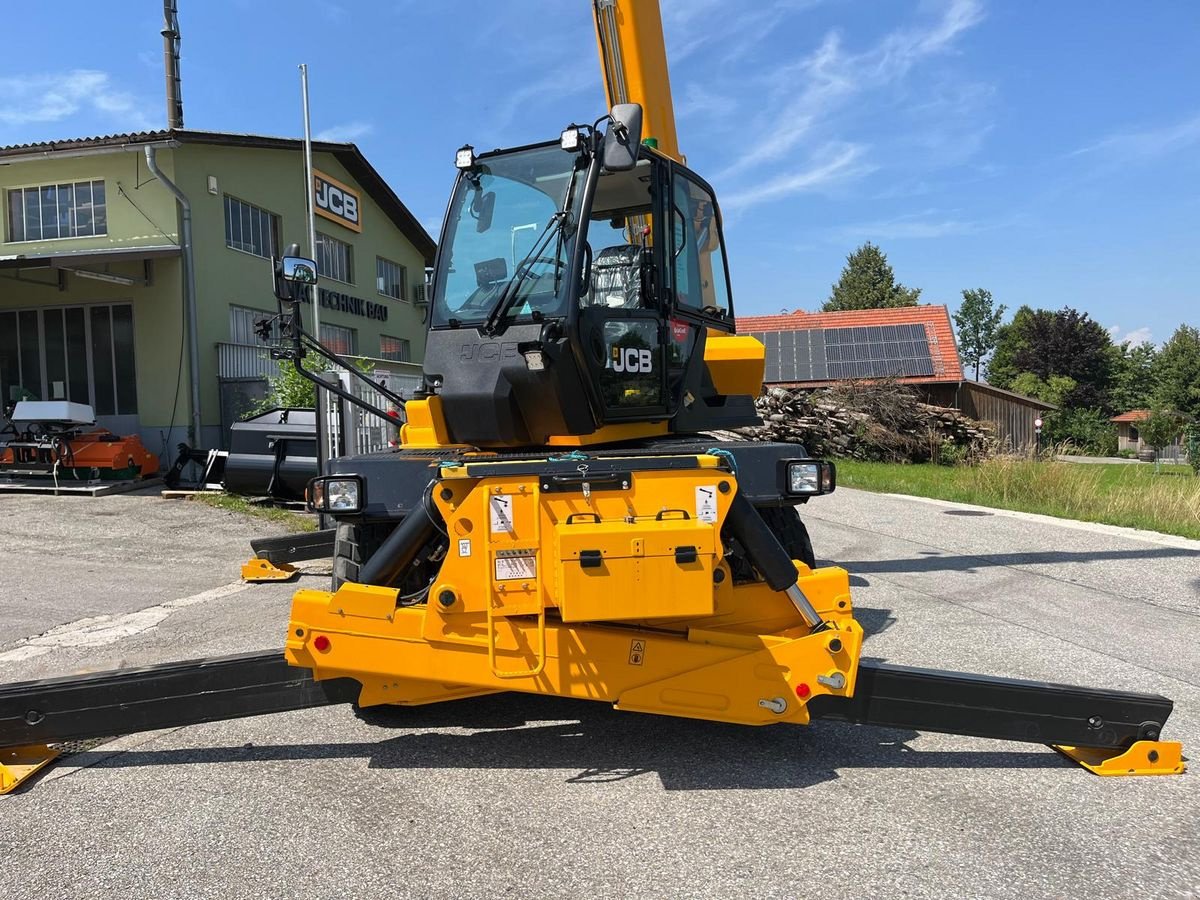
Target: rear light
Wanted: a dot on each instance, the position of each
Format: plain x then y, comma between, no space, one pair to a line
803,690
321,643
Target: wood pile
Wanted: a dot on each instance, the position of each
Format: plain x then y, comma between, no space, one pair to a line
869,420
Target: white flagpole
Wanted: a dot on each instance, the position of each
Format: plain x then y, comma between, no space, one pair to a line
308,197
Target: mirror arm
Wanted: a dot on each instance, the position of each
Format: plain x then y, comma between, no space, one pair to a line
321,350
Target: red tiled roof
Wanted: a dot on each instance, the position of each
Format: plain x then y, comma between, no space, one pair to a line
936,319
1134,415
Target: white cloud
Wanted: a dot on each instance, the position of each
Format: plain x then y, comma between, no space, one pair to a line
346,132
802,93
917,226
1133,338
53,97
832,164
1138,146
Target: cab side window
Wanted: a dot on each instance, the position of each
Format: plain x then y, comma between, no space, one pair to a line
699,259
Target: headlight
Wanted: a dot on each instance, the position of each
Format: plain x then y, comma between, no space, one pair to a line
341,495
806,478
336,494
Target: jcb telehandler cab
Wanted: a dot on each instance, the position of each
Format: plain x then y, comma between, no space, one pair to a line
581,297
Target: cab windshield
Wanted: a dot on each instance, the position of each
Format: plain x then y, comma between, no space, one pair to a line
509,238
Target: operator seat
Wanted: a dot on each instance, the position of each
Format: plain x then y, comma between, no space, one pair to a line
617,277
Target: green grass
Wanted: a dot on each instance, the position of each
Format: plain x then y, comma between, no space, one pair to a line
293,521
1129,495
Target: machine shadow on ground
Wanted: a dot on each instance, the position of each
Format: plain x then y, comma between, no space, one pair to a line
932,561
597,744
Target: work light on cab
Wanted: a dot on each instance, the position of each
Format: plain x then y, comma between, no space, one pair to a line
464,158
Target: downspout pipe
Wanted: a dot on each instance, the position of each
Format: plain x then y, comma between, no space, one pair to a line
189,291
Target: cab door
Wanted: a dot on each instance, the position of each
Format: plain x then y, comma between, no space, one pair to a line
623,310
697,295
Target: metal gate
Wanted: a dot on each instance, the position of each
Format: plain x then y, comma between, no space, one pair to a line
347,429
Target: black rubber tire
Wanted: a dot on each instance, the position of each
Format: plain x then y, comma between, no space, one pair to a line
353,545
789,528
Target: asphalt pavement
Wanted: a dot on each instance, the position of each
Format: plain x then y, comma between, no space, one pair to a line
524,796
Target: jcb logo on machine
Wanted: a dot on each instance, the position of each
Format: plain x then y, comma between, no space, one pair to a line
631,359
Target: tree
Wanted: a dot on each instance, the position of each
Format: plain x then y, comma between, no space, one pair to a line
1002,367
868,282
1160,429
1047,343
1177,372
978,322
1054,390
1133,376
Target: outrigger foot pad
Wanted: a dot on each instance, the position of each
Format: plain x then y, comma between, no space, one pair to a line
1142,758
19,764
258,569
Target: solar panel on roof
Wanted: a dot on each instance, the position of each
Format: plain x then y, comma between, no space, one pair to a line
820,354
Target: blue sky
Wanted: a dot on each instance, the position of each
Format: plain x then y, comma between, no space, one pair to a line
1049,152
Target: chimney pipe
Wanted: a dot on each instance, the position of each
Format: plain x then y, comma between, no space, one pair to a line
170,34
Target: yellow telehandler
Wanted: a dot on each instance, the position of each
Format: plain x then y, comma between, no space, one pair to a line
555,520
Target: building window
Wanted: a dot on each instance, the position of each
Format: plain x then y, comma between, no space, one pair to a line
395,349
57,211
335,259
250,229
390,278
243,324
84,354
342,341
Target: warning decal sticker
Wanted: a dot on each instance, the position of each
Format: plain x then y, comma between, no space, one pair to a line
501,507
637,651
706,503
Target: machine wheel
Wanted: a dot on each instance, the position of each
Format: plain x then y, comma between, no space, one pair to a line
353,545
789,528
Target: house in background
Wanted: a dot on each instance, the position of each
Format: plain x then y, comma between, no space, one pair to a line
913,345
1130,438
1127,423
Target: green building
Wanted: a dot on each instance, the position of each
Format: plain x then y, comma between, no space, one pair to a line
93,276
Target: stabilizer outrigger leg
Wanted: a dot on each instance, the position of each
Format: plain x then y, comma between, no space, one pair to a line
34,714
1108,732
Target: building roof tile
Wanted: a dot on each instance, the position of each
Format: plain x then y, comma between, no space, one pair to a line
1134,415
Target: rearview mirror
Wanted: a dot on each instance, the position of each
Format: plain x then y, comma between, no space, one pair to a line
483,206
623,137
298,270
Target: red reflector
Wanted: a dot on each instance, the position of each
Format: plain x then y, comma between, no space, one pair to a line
321,643
802,690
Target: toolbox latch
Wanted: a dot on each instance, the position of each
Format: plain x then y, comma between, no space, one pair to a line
685,555
590,559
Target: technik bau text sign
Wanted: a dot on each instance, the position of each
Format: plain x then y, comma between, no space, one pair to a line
336,201
354,305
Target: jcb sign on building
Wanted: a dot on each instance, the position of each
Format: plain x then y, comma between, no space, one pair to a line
336,201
